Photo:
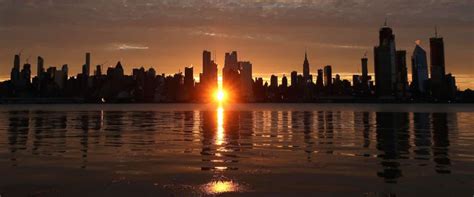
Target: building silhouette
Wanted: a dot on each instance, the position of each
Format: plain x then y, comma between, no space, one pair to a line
306,70
385,63
419,70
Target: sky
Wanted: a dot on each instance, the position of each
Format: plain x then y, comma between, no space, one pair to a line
273,34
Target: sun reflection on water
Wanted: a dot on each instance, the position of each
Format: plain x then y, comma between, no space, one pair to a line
220,126
218,187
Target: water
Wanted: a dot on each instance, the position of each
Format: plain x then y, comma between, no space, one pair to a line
257,150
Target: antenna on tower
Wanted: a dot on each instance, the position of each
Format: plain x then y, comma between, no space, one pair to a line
436,31
365,54
385,23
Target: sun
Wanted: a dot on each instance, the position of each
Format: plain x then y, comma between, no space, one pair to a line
220,95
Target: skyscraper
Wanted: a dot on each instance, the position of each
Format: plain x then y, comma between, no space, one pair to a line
306,71
15,73
40,68
274,81
189,78
438,72
230,73
209,76
365,71
246,81
402,75
319,81
328,76
294,78
419,69
385,63
86,70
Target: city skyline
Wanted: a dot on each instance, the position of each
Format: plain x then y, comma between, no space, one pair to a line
273,34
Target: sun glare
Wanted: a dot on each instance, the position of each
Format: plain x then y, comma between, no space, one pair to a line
220,95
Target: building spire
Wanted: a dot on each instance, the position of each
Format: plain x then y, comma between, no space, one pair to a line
436,31
385,24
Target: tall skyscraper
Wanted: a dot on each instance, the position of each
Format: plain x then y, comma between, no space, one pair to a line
230,73
306,71
328,76
40,68
274,81
86,70
15,73
209,76
246,80
189,78
365,71
319,81
439,82
294,78
284,82
385,63
402,75
419,69
25,75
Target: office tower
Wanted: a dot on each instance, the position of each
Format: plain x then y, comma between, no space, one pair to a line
86,70
98,71
384,63
438,72
419,69
246,80
319,80
231,61
230,73
328,76
60,76
284,82
402,75
26,74
209,71
274,81
294,78
189,78
306,71
40,67
15,73
365,71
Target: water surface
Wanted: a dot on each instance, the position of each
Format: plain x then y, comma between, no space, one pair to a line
254,149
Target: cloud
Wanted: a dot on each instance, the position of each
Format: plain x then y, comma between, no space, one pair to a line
130,47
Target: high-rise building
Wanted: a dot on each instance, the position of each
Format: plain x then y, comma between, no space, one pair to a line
98,71
402,75
40,68
189,78
25,75
209,71
438,72
230,73
306,71
284,82
328,76
60,76
274,81
419,69
365,71
15,73
86,70
319,80
294,78
385,63
246,80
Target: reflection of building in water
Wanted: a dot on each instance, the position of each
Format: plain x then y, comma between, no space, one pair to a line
421,127
362,127
18,129
84,141
220,133
393,141
113,125
441,142
308,136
